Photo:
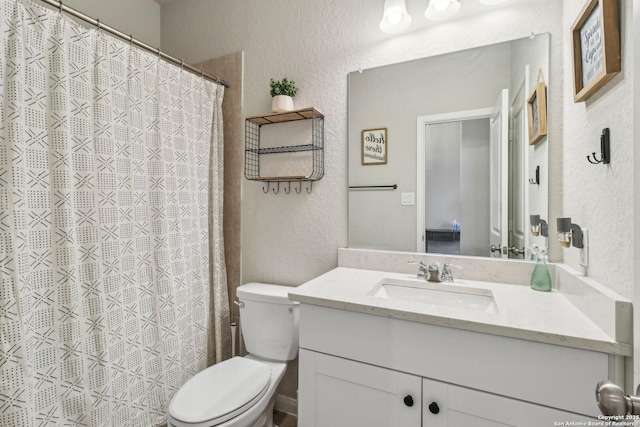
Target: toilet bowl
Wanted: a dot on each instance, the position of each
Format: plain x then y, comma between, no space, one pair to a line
241,392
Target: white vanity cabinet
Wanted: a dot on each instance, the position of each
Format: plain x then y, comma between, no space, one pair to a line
359,369
341,392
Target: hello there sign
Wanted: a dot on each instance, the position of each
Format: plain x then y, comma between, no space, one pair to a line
374,146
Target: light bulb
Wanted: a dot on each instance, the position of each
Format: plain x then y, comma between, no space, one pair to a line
442,9
394,18
440,5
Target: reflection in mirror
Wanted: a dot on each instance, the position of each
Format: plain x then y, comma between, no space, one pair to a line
460,176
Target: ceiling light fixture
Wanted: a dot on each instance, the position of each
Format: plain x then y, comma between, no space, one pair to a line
441,9
395,17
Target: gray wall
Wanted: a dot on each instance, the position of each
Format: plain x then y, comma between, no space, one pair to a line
474,189
442,174
140,18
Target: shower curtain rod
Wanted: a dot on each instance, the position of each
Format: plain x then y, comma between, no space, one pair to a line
77,14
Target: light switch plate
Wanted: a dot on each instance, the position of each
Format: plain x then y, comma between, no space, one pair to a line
408,199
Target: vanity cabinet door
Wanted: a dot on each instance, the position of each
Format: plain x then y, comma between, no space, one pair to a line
446,405
338,392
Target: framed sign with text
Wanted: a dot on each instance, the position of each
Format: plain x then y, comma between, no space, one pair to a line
596,47
374,146
537,113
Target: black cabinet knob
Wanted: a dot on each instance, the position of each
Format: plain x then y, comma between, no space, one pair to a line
408,400
434,408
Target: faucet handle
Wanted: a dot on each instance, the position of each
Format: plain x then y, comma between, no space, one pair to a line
422,268
457,266
420,263
447,274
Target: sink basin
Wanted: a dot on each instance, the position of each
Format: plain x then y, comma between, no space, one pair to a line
444,295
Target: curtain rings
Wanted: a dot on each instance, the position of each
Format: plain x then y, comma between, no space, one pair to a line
99,25
131,39
159,53
60,6
181,65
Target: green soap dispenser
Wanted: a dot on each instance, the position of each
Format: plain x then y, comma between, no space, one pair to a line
540,278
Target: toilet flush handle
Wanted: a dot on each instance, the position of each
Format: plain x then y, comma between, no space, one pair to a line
239,303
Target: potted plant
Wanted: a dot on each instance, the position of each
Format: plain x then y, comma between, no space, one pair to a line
283,91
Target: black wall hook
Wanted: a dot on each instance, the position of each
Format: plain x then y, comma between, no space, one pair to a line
605,149
536,181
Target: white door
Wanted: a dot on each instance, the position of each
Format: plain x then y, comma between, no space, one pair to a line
338,392
518,181
446,405
499,186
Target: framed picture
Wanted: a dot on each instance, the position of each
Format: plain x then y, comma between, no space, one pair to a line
374,146
537,113
596,47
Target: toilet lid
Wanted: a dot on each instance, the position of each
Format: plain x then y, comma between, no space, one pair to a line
221,392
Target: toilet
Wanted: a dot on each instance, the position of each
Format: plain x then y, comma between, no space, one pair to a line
241,391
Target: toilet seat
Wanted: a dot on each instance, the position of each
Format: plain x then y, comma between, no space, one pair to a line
220,392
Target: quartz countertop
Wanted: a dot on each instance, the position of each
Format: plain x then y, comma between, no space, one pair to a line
523,313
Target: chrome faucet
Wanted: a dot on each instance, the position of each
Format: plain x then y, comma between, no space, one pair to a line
447,274
433,273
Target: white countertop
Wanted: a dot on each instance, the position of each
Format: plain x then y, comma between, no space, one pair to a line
523,313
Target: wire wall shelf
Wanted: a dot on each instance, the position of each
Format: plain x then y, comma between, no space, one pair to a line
254,151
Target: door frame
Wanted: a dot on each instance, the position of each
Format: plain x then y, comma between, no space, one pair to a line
422,121
522,91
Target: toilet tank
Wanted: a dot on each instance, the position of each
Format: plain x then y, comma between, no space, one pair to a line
269,321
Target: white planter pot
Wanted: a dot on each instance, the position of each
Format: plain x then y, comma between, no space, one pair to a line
282,104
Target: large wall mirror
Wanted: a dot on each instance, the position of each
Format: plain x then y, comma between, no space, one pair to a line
440,159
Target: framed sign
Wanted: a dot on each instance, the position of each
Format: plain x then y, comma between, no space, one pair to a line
537,113
596,47
374,146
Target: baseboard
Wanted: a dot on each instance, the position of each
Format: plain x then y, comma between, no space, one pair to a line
286,404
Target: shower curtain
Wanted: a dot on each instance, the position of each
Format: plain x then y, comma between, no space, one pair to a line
110,163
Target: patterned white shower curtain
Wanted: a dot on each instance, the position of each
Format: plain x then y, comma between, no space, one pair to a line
105,155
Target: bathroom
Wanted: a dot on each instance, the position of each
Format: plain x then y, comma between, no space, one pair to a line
290,239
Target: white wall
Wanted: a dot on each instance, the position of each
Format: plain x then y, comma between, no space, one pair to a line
139,18
600,197
292,238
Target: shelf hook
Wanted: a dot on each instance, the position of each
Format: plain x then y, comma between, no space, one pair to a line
310,187
299,189
267,189
274,190
605,150
288,188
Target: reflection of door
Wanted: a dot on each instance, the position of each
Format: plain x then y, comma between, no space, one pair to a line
518,225
499,150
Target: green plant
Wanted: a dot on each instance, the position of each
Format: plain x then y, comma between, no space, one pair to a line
284,87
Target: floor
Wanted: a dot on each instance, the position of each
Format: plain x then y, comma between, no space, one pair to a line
284,420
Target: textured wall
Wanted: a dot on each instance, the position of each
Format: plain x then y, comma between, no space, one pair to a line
140,18
600,198
291,238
